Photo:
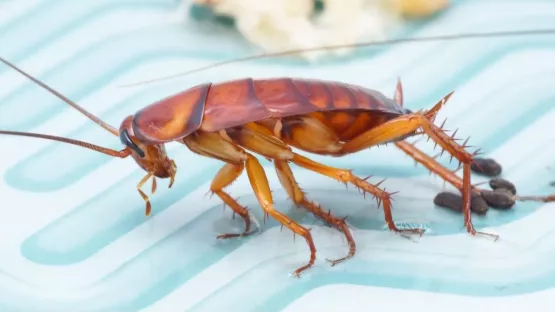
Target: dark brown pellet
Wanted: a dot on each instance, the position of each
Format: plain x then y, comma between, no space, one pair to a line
552,183
449,200
498,183
478,205
500,198
455,201
486,166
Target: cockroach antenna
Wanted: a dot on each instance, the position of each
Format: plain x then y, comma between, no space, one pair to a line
499,34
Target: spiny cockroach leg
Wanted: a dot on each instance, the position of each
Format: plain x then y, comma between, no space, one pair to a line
465,158
430,163
226,176
260,185
346,176
407,124
451,178
214,146
289,183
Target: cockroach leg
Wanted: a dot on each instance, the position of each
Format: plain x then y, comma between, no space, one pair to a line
409,123
430,163
154,186
220,146
287,179
496,200
143,195
172,173
261,187
226,176
346,176
214,146
315,136
262,141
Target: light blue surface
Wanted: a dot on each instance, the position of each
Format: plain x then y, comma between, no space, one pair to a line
74,233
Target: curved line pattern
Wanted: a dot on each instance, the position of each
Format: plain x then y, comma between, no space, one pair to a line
101,254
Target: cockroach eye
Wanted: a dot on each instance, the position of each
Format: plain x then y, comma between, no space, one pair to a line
126,140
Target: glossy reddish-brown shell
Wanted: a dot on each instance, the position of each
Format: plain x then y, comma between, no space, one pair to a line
171,118
213,107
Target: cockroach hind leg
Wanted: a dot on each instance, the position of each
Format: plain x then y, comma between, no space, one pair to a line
257,226
494,236
347,176
407,123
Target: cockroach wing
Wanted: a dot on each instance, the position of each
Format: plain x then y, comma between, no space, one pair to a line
231,104
172,118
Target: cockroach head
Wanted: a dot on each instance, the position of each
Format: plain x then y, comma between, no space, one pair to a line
151,157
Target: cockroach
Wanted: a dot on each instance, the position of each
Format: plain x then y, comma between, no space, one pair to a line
235,120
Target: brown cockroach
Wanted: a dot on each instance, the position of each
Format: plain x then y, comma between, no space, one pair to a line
232,121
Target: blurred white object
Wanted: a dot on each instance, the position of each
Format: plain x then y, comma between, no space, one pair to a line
280,25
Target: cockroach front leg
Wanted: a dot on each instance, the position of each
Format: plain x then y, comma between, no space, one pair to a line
143,195
289,183
229,173
409,123
173,171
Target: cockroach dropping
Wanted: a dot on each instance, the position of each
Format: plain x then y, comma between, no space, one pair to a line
498,183
499,198
486,166
455,202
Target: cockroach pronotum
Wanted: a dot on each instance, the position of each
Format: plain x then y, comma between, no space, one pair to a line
232,121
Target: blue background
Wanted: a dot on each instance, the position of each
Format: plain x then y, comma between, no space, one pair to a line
74,232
